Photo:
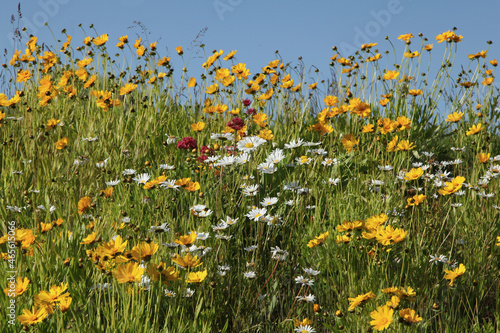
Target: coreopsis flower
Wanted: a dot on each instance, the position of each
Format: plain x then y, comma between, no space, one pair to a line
240,71
101,40
188,261
483,157
130,272
494,62
23,75
318,240
453,186
415,92
144,251
359,300
89,239
389,235
196,277
455,117
382,317
127,88
267,95
229,56
452,275
330,100
360,108
391,75
487,81
413,174
391,146
51,123
416,200
48,299
62,143
405,145
198,127
83,203
191,82
195,186
20,287
179,50
405,37
266,134
84,62
409,316
34,316
140,50
428,47
349,142
474,129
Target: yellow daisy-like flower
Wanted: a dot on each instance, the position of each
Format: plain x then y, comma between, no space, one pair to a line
382,317
452,275
131,272
409,316
196,277
474,129
391,75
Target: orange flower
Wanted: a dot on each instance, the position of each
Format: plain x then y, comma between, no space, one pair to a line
62,143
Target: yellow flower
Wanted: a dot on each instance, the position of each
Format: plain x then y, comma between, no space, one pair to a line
144,251
267,95
127,88
313,86
137,43
240,71
198,127
416,200
101,40
349,142
212,89
186,239
44,227
192,186
413,174
179,50
494,62
23,75
65,303
391,75
140,50
409,316
453,186
368,128
187,261
20,287
51,123
62,143
405,37
87,40
448,36
474,129
84,62
89,239
384,102
196,277
32,317
360,299
192,82
391,146
128,273
230,55
318,240
415,92
83,203
405,145
266,134
163,61
483,157
428,47
487,81
454,274
455,117
382,318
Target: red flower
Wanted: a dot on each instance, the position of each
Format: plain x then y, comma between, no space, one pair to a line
251,112
236,123
187,143
247,102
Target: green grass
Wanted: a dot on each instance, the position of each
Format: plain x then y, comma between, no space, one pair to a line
137,133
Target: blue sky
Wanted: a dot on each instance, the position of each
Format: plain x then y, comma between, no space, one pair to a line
257,28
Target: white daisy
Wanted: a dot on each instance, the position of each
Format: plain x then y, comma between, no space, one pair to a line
249,274
294,144
310,271
250,144
268,168
166,167
268,201
169,184
330,162
112,182
256,213
142,178
128,172
276,156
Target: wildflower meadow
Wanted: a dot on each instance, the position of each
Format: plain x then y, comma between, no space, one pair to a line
138,197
